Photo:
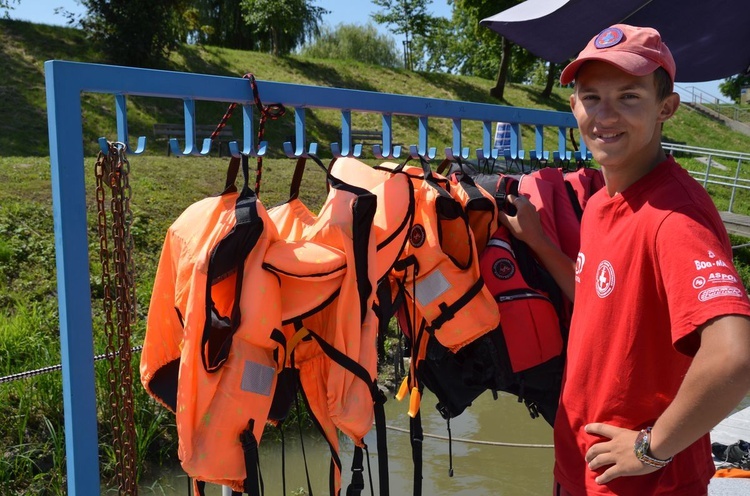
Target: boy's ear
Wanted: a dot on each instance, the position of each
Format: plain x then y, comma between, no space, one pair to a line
572,100
669,106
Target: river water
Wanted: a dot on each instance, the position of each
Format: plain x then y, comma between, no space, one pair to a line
496,468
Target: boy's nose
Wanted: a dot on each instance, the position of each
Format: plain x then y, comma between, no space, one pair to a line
606,112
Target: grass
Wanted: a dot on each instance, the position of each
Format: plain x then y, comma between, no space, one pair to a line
32,461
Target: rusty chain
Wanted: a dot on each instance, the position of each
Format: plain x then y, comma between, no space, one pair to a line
113,171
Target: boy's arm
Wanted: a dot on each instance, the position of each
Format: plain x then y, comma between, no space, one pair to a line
527,227
716,382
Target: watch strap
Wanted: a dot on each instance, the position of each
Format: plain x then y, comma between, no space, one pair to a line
642,444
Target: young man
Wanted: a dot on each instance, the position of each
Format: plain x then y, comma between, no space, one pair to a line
659,347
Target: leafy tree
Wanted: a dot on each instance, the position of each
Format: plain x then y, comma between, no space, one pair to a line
408,17
222,24
732,86
136,32
354,42
282,25
474,11
6,5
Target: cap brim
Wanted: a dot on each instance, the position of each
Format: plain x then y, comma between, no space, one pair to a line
632,63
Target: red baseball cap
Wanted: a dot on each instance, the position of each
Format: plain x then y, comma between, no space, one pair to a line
635,50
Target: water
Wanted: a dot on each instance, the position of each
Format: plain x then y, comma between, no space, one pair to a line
479,469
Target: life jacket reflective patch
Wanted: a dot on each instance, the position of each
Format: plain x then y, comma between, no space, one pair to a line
213,345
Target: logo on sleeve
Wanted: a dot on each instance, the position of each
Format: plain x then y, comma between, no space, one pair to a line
580,260
605,279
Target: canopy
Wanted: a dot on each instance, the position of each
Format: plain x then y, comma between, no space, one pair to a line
709,39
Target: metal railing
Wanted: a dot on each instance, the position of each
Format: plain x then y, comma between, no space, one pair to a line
720,168
717,105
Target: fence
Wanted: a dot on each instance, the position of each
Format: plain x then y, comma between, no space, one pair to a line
718,168
714,104
66,81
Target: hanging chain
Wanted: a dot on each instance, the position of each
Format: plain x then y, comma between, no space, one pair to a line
113,170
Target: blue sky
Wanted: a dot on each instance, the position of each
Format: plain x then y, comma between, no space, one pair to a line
342,11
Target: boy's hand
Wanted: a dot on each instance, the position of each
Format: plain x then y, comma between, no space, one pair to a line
617,452
525,225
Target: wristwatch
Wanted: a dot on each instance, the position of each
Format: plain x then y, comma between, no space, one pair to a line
641,447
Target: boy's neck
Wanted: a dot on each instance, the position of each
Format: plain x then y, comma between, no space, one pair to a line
618,179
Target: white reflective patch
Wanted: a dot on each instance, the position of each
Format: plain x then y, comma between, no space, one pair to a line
500,244
432,286
257,378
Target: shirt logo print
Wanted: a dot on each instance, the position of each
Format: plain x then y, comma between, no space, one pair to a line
605,279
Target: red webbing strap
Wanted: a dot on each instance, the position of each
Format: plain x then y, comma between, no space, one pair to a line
272,111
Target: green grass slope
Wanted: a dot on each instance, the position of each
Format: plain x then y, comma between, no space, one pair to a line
25,46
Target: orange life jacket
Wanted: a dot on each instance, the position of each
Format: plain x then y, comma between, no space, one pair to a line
334,338
213,345
446,303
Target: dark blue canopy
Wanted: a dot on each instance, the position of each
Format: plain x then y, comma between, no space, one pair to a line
709,39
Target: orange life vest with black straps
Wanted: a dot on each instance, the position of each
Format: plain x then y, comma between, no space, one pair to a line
213,344
332,343
446,306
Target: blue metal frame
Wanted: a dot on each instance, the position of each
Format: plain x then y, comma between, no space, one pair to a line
65,81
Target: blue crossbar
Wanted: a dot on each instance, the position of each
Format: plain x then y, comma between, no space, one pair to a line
66,81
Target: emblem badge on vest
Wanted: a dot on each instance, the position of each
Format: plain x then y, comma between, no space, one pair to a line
503,268
605,279
417,236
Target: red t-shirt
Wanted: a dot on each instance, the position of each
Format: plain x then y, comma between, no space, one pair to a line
655,264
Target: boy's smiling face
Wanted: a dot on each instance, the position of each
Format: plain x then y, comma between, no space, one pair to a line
619,116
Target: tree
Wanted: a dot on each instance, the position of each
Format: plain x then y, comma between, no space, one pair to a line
732,86
282,25
222,24
137,33
476,10
354,42
6,5
408,17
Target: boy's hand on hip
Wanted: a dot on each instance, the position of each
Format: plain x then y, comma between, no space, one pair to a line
617,452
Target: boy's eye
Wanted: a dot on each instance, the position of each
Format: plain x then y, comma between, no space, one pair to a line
589,97
629,96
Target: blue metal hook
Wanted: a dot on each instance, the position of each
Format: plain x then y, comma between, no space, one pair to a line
387,149
248,139
299,151
347,148
190,138
122,126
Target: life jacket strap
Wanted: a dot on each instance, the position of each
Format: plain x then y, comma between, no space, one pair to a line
417,437
449,311
357,484
253,484
382,442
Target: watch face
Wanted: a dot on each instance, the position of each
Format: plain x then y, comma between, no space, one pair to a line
641,445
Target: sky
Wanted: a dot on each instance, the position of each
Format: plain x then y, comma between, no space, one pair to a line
341,11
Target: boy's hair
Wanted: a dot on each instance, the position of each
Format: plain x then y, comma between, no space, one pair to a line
664,85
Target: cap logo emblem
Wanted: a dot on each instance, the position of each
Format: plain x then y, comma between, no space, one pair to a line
608,38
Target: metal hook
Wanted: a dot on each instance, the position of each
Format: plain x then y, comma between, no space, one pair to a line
122,126
190,141
347,148
299,151
420,151
248,139
453,155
